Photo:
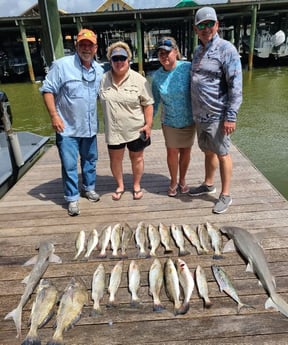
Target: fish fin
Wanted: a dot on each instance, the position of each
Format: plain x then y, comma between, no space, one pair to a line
25,280
270,304
31,261
229,247
16,315
55,258
249,267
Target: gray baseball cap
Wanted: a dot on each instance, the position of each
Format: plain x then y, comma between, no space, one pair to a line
205,13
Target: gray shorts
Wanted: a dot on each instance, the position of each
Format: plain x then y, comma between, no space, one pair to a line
211,138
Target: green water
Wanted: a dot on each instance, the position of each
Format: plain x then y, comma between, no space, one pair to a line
262,128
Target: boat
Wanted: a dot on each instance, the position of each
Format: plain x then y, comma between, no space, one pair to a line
268,45
18,150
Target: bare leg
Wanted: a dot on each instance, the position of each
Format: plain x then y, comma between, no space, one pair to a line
172,162
211,164
184,162
137,162
116,158
226,166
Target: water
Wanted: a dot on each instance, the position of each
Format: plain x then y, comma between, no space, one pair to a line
262,125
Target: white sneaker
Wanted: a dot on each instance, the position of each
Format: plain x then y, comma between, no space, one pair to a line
73,208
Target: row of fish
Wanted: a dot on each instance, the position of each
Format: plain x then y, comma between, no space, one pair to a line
244,242
150,236
175,276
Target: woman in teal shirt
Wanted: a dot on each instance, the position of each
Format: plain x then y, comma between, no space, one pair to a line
171,90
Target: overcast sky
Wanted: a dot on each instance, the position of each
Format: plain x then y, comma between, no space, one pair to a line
17,7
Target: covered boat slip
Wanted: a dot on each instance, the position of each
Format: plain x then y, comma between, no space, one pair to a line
34,210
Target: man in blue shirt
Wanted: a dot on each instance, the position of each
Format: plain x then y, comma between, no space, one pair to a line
216,91
70,92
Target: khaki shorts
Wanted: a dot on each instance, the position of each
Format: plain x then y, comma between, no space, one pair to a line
211,138
179,138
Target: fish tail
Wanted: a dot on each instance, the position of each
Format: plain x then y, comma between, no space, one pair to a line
183,252
277,302
217,257
16,315
96,312
31,341
207,303
242,305
182,310
199,251
158,308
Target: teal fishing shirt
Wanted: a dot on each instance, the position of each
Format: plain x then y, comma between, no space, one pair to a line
171,90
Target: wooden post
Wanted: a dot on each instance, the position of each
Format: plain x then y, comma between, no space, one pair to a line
27,51
252,37
52,36
139,45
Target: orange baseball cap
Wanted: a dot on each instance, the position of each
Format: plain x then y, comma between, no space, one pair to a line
86,34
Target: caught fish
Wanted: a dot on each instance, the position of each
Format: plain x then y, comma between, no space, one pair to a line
216,240
192,236
155,284
79,244
225,285
69,312
187,283
104,241
98,289
114,283
134,282
172,285
203,237
127,234
248,246
42,310
92,242
165,238
178,236
115,239
202,286
154,239
140,238
45,255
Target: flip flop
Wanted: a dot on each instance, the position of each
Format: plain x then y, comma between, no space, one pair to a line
117,195
137,194
184,189
172,192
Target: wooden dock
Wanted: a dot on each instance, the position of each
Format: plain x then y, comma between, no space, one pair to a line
34,210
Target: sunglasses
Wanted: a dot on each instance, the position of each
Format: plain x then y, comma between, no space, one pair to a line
202,26
117,58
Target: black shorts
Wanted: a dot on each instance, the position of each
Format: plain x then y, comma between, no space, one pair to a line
134,146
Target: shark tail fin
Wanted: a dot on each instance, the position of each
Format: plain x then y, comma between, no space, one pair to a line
278,303
16,315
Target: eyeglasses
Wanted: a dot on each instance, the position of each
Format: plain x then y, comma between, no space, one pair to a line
202,26
117,58
91,76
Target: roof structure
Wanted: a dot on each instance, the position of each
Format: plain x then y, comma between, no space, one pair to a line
114,5
33,11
